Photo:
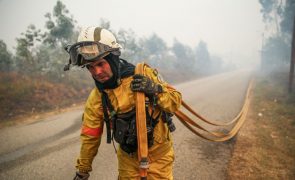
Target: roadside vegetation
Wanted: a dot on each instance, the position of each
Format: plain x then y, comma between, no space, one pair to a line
23,96
32,77
265,145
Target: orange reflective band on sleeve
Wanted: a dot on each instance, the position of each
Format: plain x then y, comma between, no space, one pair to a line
92,131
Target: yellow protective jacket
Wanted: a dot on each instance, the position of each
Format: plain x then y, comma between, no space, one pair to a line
123,100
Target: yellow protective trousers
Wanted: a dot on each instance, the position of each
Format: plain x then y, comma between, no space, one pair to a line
160,165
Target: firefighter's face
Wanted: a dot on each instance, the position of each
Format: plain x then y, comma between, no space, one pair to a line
100,70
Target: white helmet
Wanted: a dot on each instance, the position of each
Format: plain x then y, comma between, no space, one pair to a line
93,44
100,35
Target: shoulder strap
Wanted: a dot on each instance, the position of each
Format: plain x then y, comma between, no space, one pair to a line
106,115
107,106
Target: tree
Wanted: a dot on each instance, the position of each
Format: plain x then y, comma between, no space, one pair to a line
154,45
278,14
60,26
203,57
131,49
184,56
25,48
61,31
104,23
270,11
276,51
153,49
288,14
5,57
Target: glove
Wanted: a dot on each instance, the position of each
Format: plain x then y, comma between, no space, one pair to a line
144,84
81,176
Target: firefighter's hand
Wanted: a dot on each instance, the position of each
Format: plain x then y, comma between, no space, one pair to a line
144,84
81,176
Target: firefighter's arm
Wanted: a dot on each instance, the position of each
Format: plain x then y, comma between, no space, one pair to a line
152,84
91,132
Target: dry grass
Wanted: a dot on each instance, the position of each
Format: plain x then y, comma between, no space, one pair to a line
265,145
22,95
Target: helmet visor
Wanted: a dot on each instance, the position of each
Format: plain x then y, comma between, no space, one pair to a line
85,52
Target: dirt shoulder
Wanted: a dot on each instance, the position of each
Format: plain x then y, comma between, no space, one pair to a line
265,145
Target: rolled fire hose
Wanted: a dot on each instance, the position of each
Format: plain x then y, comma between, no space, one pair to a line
193,126
237,122
142,142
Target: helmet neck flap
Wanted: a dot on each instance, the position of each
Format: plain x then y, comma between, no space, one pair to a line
120,69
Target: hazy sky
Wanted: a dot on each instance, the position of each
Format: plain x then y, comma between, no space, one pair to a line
231,28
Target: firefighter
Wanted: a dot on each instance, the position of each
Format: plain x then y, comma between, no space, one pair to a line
112,103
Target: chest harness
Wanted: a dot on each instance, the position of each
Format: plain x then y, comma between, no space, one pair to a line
122,127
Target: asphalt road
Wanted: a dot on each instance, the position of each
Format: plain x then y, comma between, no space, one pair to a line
48,149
